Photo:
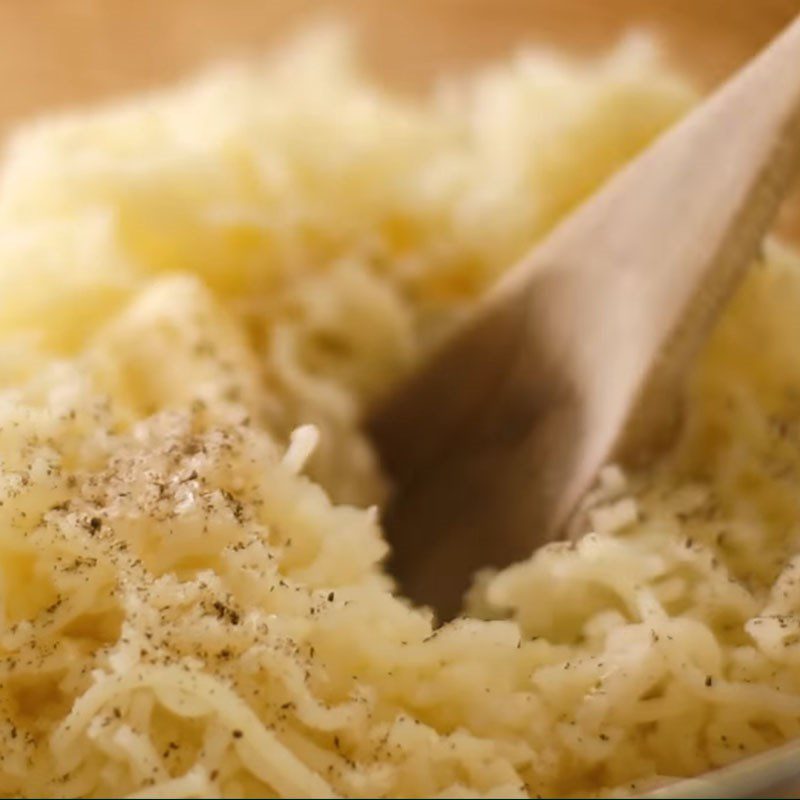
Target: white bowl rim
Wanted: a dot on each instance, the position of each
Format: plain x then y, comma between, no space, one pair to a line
773,773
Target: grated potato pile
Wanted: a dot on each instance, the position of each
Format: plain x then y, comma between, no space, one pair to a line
200,292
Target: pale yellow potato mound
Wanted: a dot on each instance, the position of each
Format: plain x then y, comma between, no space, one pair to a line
200,292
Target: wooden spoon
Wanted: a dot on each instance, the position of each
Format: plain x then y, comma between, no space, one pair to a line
576,357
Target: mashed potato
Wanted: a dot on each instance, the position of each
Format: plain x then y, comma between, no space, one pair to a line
200,292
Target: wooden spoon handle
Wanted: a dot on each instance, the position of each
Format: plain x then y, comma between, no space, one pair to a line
652,257
746,144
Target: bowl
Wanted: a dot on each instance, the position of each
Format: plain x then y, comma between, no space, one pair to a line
62,53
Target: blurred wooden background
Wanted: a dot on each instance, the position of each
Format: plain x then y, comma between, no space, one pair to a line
62,52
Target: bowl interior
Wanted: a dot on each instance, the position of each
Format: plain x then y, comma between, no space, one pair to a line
70,52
